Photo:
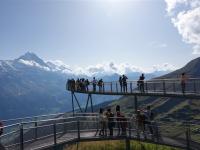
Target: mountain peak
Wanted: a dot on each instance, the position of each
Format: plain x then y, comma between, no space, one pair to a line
30,56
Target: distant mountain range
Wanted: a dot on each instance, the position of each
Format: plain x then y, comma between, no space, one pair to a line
32,86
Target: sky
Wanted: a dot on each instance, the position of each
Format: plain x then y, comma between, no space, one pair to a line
82,33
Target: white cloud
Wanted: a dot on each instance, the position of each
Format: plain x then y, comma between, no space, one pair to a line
163,67
187,20
109,68
172,4
158,44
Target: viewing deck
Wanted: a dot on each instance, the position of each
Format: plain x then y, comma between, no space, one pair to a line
154,87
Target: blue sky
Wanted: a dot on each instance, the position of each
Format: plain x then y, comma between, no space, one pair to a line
82,33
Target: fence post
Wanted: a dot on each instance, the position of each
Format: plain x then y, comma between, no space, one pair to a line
188,136
21,137
154,87
36,136
146,85
78,129
195,87
129,129
131,87
164,88
54,135
136,104
128,147
174,88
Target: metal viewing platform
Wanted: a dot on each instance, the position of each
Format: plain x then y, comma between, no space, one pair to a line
155,87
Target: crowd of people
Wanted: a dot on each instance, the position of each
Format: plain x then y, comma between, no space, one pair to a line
83,84
109,120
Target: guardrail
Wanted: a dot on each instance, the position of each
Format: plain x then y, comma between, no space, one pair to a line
53,132
164,86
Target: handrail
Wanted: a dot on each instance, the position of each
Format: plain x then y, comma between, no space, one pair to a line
78,125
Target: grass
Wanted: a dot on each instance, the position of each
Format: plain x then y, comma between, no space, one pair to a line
117,145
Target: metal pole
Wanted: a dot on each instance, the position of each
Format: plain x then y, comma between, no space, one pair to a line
111,87
72,102
195,90
21,137
91,103
136,105
174,88
36,130
188,136
78,103
129,129
128,147
154,87
87,102
164,88
78,129
116,88
146,87
131,87
54,135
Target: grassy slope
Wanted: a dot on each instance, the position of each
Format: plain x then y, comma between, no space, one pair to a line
117,145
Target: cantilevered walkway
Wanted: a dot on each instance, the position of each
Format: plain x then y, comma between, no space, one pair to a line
154,87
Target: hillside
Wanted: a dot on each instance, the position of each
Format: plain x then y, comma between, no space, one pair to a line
168,108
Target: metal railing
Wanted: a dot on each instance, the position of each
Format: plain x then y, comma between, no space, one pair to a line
160,86
53,132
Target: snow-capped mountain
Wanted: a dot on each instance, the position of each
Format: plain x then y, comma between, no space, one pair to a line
30,60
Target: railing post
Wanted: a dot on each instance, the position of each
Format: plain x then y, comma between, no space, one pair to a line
154,87
111,87
103,88
21,137
116,88
174,87
35,130
128,147
131,87
78,129
146,85
54,135
164,88
129,129
195,90
135,97
188,136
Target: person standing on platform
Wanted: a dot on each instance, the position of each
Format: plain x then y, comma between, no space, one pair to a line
111,122
94,83
120,83
124,78
183,82
141,83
